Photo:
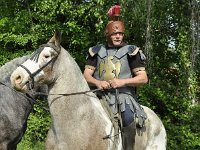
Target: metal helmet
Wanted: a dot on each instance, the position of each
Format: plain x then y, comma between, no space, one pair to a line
114,25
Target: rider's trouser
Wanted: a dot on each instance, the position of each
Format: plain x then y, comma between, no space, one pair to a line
129,129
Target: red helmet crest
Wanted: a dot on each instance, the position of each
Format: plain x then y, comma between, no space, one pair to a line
114,25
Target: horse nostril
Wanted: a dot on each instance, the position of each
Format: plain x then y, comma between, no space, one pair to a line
18,79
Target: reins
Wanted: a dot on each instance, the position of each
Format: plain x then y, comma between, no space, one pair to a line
63,94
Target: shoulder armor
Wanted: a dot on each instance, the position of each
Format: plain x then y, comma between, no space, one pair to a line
132,50
128,49
95,49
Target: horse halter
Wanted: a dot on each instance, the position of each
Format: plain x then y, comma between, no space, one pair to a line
35,57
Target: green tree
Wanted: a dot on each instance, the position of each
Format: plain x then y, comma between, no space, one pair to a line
167,30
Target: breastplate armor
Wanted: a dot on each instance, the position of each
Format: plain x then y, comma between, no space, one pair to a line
112,63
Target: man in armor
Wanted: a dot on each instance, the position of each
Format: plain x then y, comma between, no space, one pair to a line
117,69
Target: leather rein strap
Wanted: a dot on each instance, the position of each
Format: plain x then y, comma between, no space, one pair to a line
64,94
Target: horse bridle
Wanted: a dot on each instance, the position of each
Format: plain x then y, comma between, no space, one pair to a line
35,58
32,75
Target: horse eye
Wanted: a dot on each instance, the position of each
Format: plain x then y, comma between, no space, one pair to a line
46,56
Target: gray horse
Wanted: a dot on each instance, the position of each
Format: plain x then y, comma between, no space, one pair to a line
15,108
78,120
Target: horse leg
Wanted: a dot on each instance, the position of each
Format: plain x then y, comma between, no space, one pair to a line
158,142
50,140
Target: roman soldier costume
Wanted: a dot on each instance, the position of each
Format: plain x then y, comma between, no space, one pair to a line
109,62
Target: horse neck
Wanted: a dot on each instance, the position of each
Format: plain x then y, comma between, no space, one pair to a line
69,77
70,80
65,110
17,103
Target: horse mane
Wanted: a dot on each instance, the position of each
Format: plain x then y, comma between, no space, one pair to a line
7,69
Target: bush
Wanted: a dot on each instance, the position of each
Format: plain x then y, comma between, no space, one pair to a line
180,119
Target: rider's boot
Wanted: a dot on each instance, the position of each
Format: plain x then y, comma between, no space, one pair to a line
128,134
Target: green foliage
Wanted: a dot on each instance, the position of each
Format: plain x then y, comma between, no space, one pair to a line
38,123
8,55
27,145
174,108
173,86
185,135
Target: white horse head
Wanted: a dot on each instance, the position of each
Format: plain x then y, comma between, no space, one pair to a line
38,67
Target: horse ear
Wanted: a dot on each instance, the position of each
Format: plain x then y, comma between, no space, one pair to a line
56,39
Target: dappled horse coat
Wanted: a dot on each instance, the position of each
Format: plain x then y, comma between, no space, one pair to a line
15,108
